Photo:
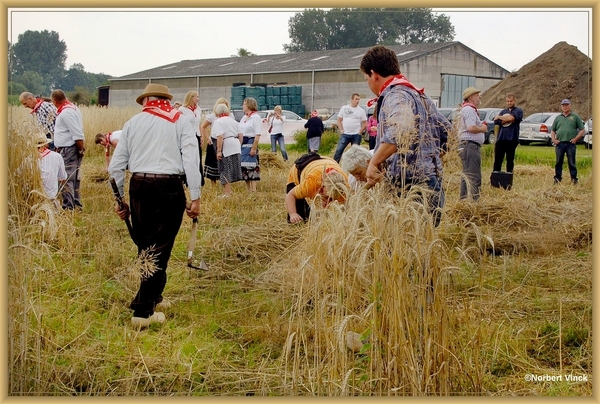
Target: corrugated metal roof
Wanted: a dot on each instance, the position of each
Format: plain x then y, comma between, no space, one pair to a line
339,59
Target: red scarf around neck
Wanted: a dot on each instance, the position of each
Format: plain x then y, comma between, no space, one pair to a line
64,105
44,153
38,104
468,104
395,80
162,109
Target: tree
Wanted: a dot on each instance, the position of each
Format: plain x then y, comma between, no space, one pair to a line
243,52
33,82
342,28
42,52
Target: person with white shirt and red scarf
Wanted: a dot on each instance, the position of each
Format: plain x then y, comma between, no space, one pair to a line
410,131
471,137
69,142
159,148
190,110
52,169
250,127
44,111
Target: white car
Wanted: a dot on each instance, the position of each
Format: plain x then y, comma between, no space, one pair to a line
587,138
293,123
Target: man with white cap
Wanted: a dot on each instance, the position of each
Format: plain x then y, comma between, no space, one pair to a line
159,149
567,129
52,168
471,137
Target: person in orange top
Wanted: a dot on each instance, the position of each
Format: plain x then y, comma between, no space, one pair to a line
323,177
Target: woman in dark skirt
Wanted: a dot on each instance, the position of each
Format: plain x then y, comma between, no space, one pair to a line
211,165
251,128
228,145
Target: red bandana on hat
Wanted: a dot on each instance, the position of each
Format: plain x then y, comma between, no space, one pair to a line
162,109
64,105
396,80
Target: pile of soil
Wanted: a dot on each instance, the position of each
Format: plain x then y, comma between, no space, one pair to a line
540,85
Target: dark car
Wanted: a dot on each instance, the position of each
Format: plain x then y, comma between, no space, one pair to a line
447,112
237,114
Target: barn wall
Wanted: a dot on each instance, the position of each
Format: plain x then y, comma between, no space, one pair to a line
326,89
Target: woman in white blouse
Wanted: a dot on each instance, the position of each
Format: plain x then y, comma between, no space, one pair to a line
251,127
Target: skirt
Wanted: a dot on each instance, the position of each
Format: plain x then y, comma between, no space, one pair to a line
211,164
250,164
230,169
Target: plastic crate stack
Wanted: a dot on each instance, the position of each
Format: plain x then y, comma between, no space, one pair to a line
268,96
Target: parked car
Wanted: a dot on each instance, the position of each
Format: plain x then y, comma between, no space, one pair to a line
331,122
293,123
537,127
485,115
587,138
237,114
447,112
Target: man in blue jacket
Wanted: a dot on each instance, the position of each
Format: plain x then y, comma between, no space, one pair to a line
509,121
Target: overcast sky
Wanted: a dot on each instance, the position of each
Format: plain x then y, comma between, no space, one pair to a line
119,42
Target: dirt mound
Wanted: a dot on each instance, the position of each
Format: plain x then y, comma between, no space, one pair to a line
540,85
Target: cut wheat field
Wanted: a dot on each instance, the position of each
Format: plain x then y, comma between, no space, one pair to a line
496,301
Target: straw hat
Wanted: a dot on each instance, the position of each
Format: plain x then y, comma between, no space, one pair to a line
42,141
469,91
154,90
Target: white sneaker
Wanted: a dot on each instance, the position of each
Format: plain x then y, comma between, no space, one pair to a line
141,322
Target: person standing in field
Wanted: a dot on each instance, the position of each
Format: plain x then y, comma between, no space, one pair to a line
315,131
251,127
509,120
108,140
211,164
158,147
276,120
44,111
410,132
69,142
372,128
229,148
471,137
567,129
352,121
189,109
52,168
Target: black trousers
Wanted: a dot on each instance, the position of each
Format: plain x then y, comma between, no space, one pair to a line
505,148
157,206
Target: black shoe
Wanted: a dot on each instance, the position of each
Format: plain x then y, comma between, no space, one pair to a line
556,180
574,181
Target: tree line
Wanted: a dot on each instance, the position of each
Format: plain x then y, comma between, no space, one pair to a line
36,63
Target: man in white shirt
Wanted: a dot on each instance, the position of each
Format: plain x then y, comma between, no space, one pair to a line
159,148
52,168
352,121
69,142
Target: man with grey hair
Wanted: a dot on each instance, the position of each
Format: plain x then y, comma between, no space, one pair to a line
159,149
44,111
471,137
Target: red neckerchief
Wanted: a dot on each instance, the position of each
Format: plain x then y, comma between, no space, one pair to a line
222,115
38,104
193,109
108,136
66,104
395,80
44,153
468,104
162,109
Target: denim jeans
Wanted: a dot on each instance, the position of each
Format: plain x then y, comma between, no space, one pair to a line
343,142
278,137
569,149
435,199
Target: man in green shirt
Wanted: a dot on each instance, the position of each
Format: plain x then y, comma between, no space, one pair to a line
567,129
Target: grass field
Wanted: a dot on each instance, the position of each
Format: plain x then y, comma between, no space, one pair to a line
511,299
